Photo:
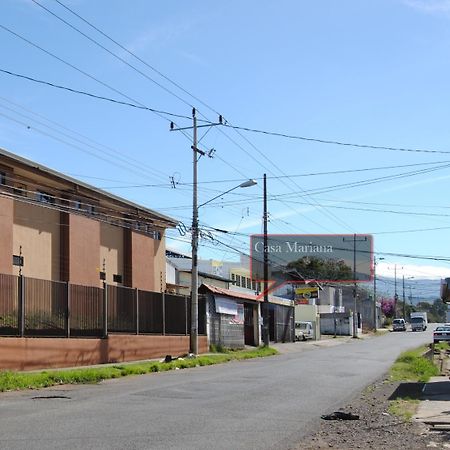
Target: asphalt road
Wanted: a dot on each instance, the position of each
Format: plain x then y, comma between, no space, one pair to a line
267,403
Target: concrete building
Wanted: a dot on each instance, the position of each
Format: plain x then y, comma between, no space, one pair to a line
66,230
82,274
233,278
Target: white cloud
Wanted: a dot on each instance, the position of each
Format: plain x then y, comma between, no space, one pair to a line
430,6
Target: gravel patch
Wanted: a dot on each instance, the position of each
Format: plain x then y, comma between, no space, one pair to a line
376,428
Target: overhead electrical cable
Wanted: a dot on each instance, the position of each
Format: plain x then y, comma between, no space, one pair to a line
89,94
334,142
149,78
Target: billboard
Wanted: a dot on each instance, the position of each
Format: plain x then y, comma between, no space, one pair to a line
300,258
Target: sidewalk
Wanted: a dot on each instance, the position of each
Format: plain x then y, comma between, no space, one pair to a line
301,346
325,341
434,408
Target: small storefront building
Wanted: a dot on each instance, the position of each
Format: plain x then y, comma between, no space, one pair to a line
233,317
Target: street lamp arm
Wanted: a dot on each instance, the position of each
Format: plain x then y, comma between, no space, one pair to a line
247,183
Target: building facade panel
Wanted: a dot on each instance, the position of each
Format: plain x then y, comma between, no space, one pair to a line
159,261
142,262
6,235
112,254
37,231
83,250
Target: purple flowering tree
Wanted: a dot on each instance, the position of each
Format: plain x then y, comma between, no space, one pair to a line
387,307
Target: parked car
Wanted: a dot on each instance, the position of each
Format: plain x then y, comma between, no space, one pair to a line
441,333
399,325
303,331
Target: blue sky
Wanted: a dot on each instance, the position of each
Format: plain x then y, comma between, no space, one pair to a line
370,72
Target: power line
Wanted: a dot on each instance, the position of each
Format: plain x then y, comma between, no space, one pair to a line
390,211
122,47
299,175
75,67
331,188
109,51
333,142
89,94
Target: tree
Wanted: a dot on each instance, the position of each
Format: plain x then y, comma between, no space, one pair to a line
313,268
436,311
388,307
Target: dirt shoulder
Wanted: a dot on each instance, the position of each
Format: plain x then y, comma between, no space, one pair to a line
377,428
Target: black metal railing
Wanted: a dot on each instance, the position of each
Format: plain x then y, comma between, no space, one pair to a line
34,307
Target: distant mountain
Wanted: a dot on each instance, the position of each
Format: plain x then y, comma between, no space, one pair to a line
416,290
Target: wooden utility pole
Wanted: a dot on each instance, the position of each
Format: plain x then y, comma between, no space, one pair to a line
266,336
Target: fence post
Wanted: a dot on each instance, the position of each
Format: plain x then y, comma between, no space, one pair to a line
185,316
68,310
136,294
163,313
21,299
105,310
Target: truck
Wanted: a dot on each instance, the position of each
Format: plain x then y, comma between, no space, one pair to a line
419,321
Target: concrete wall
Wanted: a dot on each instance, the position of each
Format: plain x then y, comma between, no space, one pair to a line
111,251
6,235
41,353
83,250
344,324
143,263
37,230
159,263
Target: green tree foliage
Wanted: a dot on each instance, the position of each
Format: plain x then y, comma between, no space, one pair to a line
314,268
436,311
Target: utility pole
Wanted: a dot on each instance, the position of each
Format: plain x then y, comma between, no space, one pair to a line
355,315
196,154
375,292
194,273
395,291
404,301
266,337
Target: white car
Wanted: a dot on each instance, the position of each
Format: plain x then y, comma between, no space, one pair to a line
303,331
399,325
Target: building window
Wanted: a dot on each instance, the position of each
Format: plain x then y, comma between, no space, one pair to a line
156,235
3,178
44,197
117,278
76,204
254,285
233,278
20,189
238,280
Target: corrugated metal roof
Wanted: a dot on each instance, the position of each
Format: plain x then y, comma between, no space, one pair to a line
229,293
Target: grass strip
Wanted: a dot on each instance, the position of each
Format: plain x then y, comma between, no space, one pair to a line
10,381
410,366
413,366
405,408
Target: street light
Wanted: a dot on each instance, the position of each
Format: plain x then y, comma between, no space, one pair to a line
194,271
375,262
245,184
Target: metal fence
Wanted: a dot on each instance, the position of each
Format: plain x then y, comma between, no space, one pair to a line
283,323
33,307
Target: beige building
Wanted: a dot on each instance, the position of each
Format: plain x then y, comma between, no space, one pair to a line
67,230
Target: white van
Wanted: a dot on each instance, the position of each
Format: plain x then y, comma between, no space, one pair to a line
303,331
